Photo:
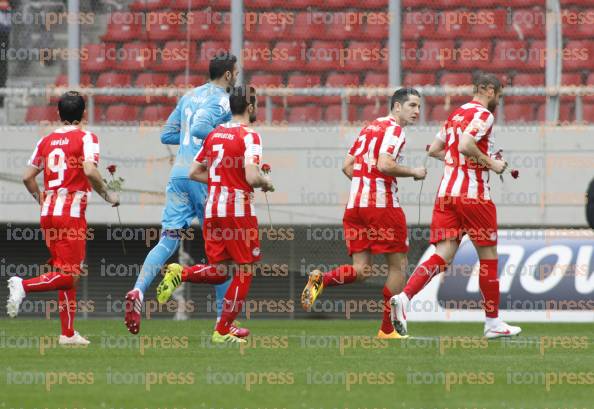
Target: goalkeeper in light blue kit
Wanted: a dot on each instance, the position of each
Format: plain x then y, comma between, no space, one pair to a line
197,113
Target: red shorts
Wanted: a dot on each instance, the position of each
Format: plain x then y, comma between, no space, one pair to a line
379,230
455,216
66,239
231,238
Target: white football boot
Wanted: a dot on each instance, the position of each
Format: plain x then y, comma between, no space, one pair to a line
501,329
398,305
76,339
15,297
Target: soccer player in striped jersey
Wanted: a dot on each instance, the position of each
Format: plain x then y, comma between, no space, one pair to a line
373,221
463,204
68,158
229,161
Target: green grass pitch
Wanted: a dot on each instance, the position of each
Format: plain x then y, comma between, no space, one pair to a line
295,364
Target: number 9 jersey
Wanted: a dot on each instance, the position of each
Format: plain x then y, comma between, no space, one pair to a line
61,155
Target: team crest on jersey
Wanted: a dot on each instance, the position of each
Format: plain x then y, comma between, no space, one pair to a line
256,251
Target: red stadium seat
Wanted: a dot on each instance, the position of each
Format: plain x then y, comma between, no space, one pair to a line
508,55
435,55
339,80
579,55
289,55
472,54
156,114
121,114
377,31
495,27
262,4
451,25
45,113
185,4
565,113
301,5
112,80
151,80
572,28
376,79
535,60
200,25
210,49
256,55
98,57
334,113
570,79
519,112
366,55
137,56
325,56
588,113
278,114
266,30
305,114
148,5
303,81
341,29
190,81
303,28
175,56
266,80
372,111
62,80
529,80
456,79
167,26
224,27
413,79
409,50
124,26
438,113
418,24
529,23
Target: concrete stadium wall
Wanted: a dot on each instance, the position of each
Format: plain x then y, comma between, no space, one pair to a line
555,163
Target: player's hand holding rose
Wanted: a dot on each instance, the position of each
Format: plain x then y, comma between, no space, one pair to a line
113,198
420,173
498,166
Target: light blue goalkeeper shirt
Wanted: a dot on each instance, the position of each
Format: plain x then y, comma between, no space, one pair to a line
197,113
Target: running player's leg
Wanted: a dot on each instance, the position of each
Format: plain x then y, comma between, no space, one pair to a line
397,265
235,296
480,223
177,214
198,195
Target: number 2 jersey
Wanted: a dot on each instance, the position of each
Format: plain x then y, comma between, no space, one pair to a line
227,150
370,187
61,155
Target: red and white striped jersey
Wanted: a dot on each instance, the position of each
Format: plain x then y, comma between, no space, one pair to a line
463,178
226,151
370,187
61,155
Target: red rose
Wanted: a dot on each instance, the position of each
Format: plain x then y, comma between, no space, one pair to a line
427,148
266,168
111,169
515,173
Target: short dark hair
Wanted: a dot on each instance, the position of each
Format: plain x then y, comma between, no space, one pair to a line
240,98
486,80
401,96
220,64
71,107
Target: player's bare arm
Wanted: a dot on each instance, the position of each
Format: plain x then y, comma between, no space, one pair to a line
92,173
254,177
199,172
469,149
388,166
347,166
29,176
437,149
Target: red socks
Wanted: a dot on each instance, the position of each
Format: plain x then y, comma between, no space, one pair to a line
203,273
423,274
489,285
233,301
387,326
49,282
344,274
67,306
